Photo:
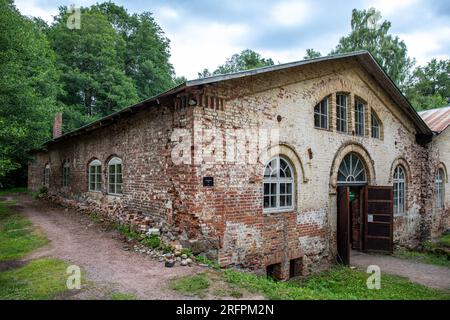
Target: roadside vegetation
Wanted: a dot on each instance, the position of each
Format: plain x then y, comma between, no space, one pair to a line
21,279
338,283
436,252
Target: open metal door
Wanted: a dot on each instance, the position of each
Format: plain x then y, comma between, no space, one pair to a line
343,225
378,219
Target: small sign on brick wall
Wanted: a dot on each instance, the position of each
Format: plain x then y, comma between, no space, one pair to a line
208,181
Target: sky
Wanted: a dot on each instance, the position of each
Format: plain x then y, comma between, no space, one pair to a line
204,33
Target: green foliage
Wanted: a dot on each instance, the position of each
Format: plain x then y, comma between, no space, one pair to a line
39,280
445,240
187,252
247,59
192,285
28,88
204,260
123,296
429,86
337,283
152,241
13,190
372,34
17,236
431,256
311,54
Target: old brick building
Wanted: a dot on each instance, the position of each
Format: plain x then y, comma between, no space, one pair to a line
282,168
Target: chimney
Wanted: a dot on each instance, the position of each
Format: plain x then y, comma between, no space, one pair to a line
57,125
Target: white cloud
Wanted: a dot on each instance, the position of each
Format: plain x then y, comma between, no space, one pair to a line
290,13
391,7
32,8
427,44
197,45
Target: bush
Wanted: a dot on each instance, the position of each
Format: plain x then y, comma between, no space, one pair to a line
153,241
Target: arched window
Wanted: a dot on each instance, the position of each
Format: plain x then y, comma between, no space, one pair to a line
399,190
115,176
352,170
278,185
95,175
341,112
439,186
375,125
321,114
47,175
66,174
360,116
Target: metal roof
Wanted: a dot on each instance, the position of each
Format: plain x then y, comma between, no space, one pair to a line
363,57
437,119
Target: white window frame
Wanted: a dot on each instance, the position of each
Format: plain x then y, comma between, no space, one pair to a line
279,180
47,175
324,104
439,189
95,172
350,171
66,174
375,126
360,114
115,162
341,113
399,190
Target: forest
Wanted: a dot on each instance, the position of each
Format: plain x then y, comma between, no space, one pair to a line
117,59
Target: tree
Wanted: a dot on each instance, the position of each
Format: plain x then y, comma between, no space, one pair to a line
369,33
91,60
28,90
429,86
247,59
147,49
311,54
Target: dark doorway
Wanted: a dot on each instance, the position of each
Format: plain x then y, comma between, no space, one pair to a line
364,220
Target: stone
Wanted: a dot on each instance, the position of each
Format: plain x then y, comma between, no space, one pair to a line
184,256
169,263
184,262
189,261
153,231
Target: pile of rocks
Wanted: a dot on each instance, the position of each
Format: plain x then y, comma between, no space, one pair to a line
170,259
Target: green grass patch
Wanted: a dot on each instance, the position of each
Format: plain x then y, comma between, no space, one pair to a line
338,283
39,280
445,240
4,192
17,235
428,257
123,296
191,285
204,260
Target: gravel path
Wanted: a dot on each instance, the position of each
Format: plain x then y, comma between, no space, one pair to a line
102,254
426,274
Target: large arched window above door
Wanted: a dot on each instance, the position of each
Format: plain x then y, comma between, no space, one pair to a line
352,170
278,185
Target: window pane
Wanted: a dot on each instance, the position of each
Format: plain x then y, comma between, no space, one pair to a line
282,201
119,188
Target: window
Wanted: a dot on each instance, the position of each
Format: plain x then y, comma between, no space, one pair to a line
351,170
359,118
115,176
278,185
399,190
95,175
439,185
47,175
321,114
375,126
341,112
66,173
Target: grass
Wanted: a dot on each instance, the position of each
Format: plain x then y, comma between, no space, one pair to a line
204,260
191,285
39,280
336,284
424,257
4,192
123,296
17,235
445,240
